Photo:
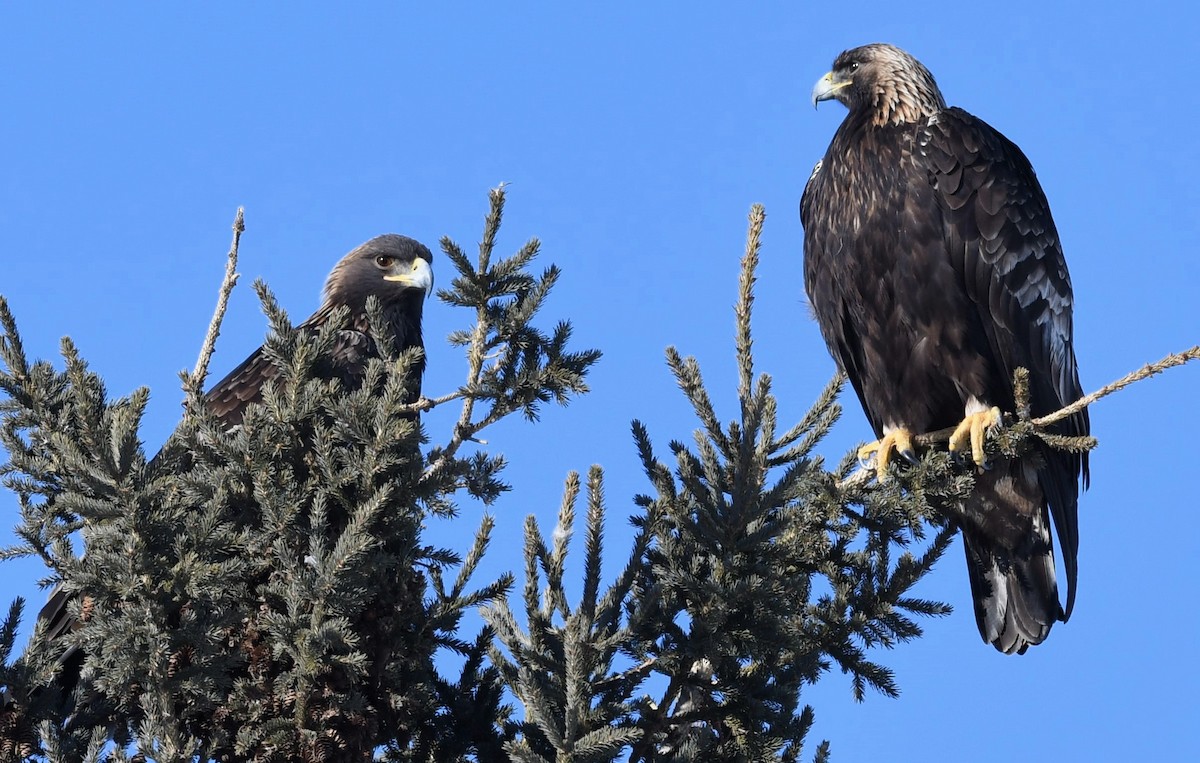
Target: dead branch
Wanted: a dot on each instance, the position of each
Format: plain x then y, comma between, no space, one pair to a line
195,382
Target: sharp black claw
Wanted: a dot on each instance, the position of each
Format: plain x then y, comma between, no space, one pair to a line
987,465
910,456
957,458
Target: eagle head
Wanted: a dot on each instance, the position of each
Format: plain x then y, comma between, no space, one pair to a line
883,82
388,266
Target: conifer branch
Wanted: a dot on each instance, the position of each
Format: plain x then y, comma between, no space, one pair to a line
194,384
12,353
426,404
742,311
511,365
1039,427
1145,372
477,345
577,704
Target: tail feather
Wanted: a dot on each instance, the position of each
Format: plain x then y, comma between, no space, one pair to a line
1010,558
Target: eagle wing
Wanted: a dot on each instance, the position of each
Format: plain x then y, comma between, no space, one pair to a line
347,361
1002,240
243,385
837,324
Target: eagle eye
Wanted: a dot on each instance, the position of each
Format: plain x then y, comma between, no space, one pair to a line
384,261
852,67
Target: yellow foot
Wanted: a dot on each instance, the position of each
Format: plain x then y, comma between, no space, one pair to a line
971,432
898,440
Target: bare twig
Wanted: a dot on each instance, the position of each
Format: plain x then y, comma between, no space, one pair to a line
641,668
195,382
857,478
1145,372
429,403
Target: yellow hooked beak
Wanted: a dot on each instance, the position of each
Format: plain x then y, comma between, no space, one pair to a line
827,88
418,275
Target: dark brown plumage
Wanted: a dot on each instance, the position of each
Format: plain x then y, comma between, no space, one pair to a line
401,285
934,269
394,269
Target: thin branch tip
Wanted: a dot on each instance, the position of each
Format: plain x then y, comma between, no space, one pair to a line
195,382
1145,372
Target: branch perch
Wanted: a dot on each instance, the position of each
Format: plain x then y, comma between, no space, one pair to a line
1145,372
1040,424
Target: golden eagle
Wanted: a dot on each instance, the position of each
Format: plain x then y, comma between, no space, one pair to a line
397,271
935,270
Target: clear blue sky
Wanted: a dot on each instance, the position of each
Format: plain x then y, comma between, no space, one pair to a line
635,143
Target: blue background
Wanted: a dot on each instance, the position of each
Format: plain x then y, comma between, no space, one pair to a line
635,142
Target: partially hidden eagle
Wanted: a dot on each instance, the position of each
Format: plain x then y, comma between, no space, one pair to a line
397,271
394,269
934,270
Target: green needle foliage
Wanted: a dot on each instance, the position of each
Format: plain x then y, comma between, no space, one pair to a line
577,705
755,570
264,593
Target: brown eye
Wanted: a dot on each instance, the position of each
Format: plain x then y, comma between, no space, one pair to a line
853,67
384,261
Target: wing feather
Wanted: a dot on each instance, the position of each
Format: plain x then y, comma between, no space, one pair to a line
347,361
242,386
834,317
1001,235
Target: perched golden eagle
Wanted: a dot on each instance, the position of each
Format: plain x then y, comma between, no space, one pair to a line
396,270
935,270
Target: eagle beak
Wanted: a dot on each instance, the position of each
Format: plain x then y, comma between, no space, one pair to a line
826,88
418,276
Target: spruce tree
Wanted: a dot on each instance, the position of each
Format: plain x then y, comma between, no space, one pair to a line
756,569
265,593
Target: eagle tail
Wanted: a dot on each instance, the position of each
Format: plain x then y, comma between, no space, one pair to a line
1010,558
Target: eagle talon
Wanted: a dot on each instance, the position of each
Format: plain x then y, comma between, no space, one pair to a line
898,440
972,432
